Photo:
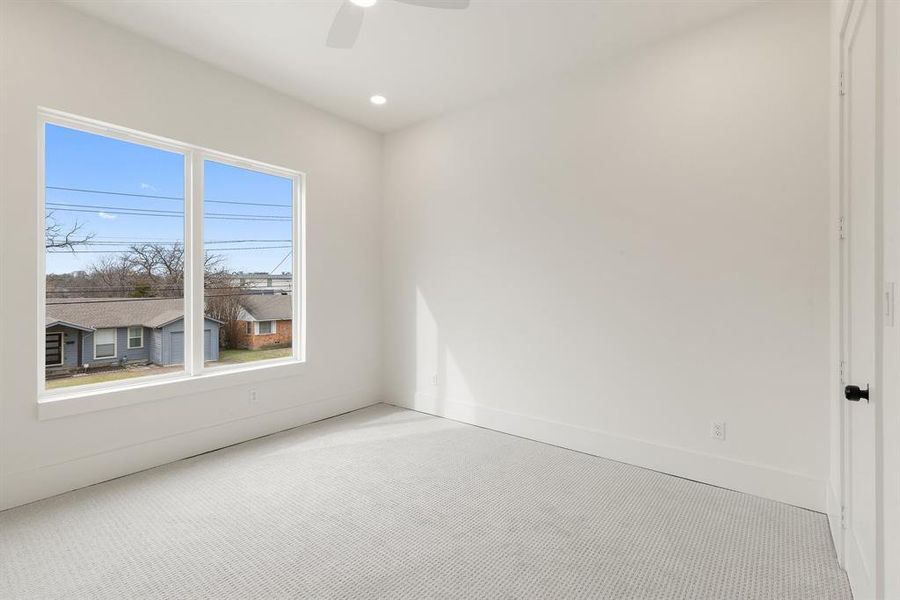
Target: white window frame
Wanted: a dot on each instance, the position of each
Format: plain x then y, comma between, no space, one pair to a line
115,343
274,327
62,348
196,375
129,337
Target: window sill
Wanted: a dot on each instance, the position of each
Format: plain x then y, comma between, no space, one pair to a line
65,403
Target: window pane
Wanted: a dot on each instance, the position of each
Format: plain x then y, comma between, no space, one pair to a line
135,337
248,239
114,239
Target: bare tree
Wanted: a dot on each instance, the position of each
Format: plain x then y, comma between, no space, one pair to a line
57,236
225,305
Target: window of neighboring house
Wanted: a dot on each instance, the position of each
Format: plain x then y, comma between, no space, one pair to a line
249,327
105,343
115,203
265,327
135,337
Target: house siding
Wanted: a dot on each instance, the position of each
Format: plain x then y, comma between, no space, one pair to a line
122,351
158,347
135,354
70,347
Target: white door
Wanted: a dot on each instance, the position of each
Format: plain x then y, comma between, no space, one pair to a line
859,281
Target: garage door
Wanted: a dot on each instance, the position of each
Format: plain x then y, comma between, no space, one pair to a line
176,346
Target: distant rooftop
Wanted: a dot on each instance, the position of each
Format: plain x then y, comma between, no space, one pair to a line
97,313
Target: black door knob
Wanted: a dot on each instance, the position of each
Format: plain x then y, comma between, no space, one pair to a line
853,393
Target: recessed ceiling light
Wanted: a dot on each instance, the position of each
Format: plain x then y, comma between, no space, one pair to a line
378,100
364,3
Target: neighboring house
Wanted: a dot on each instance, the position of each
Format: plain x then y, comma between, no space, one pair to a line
264,322
265,283
96,332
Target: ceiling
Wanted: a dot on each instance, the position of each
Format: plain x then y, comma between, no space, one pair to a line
425,61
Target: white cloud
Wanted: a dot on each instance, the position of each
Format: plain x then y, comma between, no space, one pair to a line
104,215
147,186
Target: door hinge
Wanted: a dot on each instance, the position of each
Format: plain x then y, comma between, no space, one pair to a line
843,517
890,303
842,228
843,372
841,89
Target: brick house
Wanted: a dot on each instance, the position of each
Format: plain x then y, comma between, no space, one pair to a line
265,322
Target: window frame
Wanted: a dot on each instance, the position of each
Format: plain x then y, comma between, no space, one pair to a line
272,332
115,343
129,337
196,375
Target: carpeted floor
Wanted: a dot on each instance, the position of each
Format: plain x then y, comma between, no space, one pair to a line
388,503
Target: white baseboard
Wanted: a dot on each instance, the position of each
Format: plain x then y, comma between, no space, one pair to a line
760,480
49,480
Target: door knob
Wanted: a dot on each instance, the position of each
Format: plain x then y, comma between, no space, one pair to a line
853,393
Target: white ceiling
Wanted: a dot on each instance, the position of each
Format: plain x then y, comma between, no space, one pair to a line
426,61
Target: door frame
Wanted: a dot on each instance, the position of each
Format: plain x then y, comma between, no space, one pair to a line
886,384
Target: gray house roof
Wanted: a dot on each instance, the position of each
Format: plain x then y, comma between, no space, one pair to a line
267,307
97,313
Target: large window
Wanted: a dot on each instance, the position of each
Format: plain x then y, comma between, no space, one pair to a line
158,257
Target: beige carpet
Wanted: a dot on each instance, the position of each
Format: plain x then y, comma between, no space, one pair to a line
387,503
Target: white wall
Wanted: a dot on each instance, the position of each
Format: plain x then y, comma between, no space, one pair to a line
55,57
611,260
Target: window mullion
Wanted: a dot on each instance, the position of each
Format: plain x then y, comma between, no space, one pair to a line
193,264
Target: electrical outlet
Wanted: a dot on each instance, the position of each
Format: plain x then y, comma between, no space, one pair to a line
717,430
251,397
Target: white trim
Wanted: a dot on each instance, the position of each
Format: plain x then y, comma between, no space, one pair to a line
48,479
62,348
128,336
274,327
193,243
115,353
766,481
115,394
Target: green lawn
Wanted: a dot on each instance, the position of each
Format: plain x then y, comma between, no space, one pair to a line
126,373
228,357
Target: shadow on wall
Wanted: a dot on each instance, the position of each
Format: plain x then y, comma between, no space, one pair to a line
439,378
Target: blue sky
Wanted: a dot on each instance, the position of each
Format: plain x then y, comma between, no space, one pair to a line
247,213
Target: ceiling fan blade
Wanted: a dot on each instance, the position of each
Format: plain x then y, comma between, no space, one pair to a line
346,25
452,4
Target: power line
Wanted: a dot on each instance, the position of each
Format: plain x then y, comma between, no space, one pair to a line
105,300
177,216
237,290
123,208
216,249
179,198
101,242
158,210
110,193
282,261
